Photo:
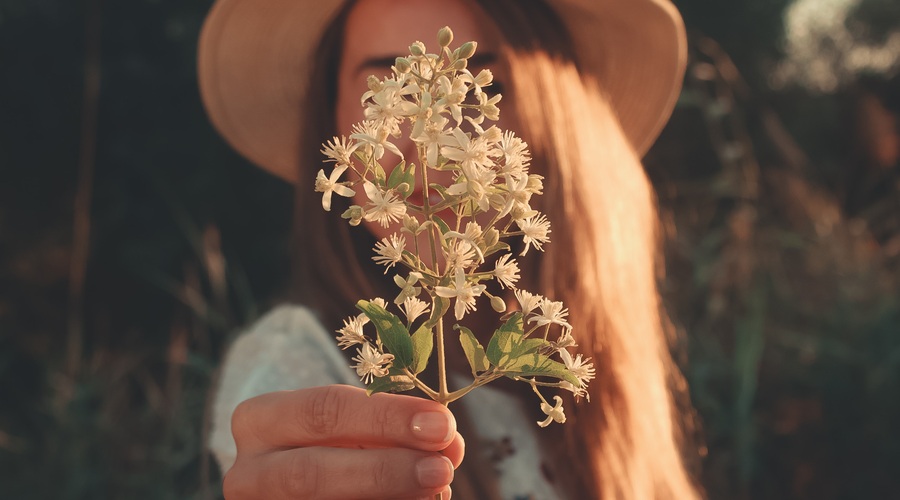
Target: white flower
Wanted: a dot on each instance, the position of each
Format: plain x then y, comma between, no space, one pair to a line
506,271
515,155
370,363
554,413
433,133
467,152
378,301
385,207
423,112
373,137
388,108
463,291
390,251
581,369
484,78
407,286
352,332
518,195
536,229
565,340
413,308
475,181
452,95
472,235
579,392
460,254
338,150
488,106
528,301
328,185
551,313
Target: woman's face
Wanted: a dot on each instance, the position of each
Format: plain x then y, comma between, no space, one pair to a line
378,31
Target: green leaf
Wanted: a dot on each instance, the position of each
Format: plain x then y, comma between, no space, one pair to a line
438,309
474,351
538,365
423,343
395,381
442,190
380,176
441,224
496,248
509,343
396,175
409,178
391,331
515,324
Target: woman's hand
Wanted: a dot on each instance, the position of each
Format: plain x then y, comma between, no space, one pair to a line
335,442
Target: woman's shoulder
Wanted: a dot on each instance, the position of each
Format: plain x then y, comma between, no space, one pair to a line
288,342
286,349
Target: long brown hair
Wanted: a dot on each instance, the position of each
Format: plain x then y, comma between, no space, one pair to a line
602,261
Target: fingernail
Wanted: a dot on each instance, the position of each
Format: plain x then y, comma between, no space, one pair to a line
433,426
434,471
445,495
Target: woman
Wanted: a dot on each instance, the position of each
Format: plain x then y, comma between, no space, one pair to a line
588,84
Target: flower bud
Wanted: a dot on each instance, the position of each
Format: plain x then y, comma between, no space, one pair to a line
459,64
498,304
374,83
355,214
445,36
491,237
535,184
491,112
417,49
518,212
497,201
410,224
466,50
492,134
402,65
484,77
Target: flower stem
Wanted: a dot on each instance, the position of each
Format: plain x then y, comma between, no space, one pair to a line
480,381
426,205
422,386
442,363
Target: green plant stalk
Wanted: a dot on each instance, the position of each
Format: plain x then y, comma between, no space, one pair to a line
442,363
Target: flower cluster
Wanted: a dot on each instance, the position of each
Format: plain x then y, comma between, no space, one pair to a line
452,240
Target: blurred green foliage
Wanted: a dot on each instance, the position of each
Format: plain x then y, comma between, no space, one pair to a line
782,244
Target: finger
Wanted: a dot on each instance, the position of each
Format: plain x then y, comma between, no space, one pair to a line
338,473
455,450
340,415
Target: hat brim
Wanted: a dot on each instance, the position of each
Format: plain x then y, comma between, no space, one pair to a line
253,60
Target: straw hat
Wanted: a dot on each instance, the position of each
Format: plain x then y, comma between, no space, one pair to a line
254,58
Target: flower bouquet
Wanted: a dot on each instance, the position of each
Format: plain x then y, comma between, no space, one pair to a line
451,247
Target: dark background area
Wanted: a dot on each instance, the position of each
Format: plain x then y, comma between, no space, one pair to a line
134,244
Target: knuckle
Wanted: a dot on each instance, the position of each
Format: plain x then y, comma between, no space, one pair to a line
321,413
300,479
381,421
382,476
